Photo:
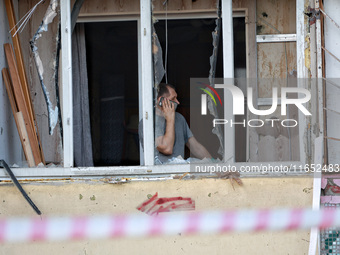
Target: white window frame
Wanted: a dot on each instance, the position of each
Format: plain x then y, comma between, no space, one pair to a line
146,83
66,86
159,172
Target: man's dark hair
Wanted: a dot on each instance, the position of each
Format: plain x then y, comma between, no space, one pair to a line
163,89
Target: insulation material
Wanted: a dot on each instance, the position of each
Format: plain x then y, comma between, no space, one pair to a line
52,108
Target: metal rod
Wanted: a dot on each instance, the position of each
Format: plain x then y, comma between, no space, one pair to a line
330,53
324,13
327,109
330,82
332,138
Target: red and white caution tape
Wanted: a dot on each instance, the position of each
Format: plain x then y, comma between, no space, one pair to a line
137,225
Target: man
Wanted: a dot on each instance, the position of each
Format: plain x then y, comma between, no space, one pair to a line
171,129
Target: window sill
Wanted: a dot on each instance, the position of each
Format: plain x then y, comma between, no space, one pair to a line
157,172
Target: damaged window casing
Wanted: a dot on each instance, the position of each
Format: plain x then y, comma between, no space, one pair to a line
146,92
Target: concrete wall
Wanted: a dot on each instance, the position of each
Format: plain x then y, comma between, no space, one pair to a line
10,146
332,44
94,197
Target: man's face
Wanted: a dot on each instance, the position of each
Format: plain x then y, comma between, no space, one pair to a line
172,95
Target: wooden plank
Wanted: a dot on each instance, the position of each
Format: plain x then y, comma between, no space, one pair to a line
17,117
20,99
22,73
127,6
24,138
276,17
5,76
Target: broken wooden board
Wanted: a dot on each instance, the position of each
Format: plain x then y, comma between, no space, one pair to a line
19,120
21,70
21,102
24,138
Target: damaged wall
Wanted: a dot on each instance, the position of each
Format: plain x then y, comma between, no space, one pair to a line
10,145
276,62
90,198
107,7
51,144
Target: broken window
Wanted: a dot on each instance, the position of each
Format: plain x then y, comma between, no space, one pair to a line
187,52
187,46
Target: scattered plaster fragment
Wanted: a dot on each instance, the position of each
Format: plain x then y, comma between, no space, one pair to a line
307,190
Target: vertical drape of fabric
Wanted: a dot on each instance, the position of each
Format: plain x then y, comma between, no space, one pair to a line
81,114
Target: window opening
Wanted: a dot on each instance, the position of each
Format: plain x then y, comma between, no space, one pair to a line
189,51
112,56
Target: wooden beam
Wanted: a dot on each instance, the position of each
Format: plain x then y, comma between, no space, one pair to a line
9,88
22,73
24,138
21,102
19,120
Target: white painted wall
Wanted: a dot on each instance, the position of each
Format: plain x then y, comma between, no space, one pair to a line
332,44
10,146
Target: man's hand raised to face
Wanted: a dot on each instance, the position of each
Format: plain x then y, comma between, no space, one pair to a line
168,109
165,143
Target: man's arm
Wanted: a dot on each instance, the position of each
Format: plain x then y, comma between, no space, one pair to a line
197,149
165,143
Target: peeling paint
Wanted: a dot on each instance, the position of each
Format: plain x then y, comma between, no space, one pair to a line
307,53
